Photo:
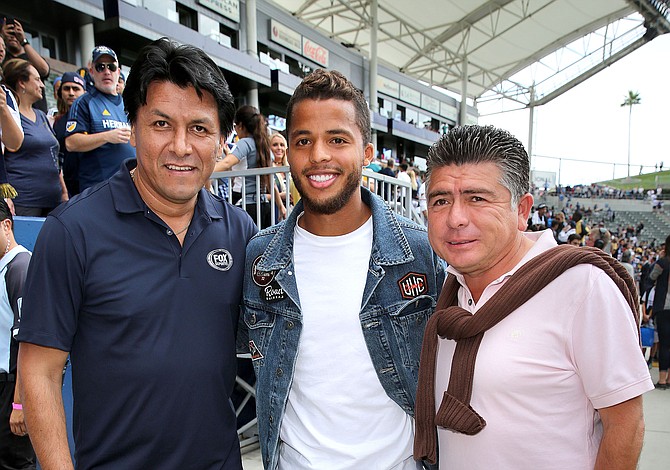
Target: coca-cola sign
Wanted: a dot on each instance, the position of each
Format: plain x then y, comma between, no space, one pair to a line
313,51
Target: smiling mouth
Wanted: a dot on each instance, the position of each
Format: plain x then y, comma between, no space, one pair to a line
179,168
460,242
321,178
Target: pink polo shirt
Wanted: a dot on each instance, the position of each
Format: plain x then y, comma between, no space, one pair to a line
543,371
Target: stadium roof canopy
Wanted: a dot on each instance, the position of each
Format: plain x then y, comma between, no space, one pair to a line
519,52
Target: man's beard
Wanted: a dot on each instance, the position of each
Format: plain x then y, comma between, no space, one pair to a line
336,202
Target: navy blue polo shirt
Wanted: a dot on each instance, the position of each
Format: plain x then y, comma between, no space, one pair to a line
150,326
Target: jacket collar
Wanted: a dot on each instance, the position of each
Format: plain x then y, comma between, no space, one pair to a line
389,243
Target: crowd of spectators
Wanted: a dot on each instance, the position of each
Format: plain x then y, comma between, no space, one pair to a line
49,155
406,172
644,260
597,191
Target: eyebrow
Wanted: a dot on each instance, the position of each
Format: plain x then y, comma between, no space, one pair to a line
204,120
302,132
465,191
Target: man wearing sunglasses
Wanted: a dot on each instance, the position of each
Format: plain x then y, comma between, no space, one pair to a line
97,126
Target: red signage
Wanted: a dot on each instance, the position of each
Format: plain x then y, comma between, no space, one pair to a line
313,51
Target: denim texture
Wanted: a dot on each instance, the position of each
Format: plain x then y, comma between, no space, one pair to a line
392,323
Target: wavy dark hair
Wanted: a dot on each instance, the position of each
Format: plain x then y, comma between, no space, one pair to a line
166,61
254,122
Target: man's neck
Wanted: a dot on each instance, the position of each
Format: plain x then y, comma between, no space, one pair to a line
346,220
105,93
477,282
170,213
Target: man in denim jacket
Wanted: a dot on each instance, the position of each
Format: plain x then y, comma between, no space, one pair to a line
336,300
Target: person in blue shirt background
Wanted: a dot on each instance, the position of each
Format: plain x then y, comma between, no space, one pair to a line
97,126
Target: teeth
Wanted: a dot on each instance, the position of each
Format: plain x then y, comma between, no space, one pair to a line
179,168
458,243
321,178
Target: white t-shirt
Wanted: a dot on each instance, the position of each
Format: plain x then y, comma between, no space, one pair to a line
423,202
403,176
543,371
338,416
538,220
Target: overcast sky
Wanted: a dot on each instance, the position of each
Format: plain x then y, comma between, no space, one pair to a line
588,123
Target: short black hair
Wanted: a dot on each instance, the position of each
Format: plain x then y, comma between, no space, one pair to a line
166,61
574,236
480,144
331,84
5,213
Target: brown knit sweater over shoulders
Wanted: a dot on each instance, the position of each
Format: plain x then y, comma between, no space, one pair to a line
453,322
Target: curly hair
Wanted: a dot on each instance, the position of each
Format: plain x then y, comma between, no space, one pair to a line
330,84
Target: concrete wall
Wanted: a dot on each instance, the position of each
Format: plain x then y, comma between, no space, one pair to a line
614,204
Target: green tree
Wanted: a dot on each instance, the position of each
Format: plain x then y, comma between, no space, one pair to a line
631,100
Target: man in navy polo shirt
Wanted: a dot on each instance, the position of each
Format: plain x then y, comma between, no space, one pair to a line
140,280
97,126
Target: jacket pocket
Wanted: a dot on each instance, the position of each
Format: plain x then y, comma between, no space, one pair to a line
258,324
409,323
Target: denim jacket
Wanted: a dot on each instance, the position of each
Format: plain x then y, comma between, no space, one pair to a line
403,282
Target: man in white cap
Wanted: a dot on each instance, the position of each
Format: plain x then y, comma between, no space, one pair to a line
540,215
97,126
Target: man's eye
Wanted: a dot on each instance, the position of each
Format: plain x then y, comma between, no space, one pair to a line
338,140
199,129
302,142
161,123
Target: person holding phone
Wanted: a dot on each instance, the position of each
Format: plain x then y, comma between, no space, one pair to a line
19,47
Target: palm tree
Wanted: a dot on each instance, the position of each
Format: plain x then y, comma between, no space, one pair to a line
631,100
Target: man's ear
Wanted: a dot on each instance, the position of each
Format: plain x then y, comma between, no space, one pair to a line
523,211
369,153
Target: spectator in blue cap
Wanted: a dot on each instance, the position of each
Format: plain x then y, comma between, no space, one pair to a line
97,125
72,87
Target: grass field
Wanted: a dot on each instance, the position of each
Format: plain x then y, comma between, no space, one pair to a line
659,179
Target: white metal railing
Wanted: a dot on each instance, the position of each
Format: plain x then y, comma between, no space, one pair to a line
228,178
397,194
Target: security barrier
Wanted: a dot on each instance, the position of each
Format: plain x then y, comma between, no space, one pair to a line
397,194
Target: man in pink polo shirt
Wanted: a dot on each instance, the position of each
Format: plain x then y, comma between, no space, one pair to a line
557,384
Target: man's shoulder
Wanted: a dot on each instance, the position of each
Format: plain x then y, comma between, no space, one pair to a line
19,264
224,209
262,239
89,204
410,227
83,100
